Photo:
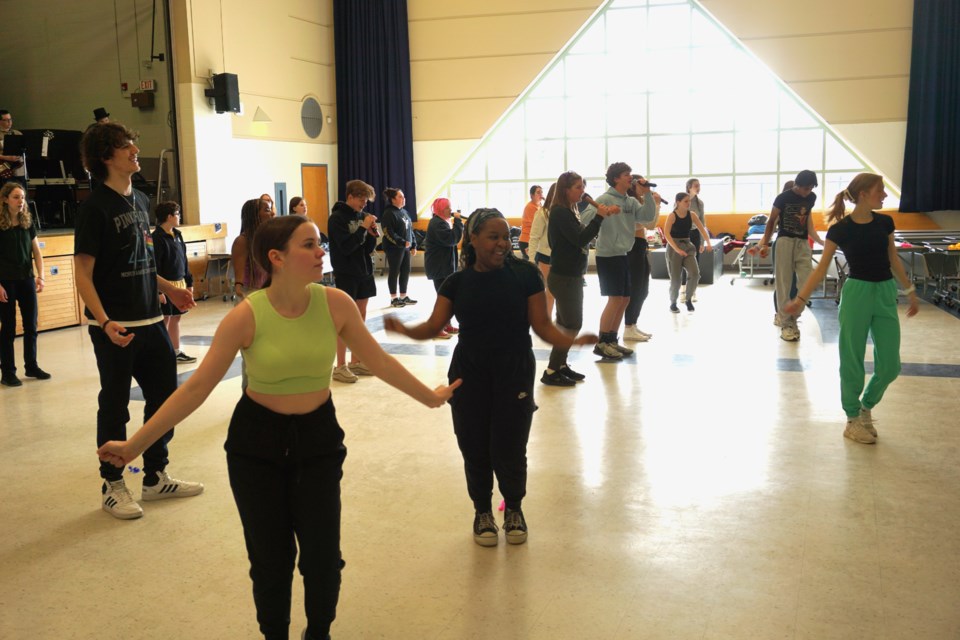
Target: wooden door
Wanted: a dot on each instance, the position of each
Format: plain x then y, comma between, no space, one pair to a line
315,190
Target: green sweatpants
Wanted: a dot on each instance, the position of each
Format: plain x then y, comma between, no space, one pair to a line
868,308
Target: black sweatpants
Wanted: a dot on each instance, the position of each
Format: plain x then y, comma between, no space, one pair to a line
492,413
639,280
285,473
398,266
150,360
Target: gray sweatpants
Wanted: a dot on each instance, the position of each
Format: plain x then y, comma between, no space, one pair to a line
793,255
677,263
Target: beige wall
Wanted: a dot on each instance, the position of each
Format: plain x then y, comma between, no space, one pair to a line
281,52
470,61
61,60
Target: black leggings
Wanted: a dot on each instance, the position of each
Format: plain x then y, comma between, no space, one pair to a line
285,475
398,263
639,280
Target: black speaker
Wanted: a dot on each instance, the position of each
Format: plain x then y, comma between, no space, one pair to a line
225,93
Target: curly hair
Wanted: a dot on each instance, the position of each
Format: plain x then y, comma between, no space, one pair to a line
10,219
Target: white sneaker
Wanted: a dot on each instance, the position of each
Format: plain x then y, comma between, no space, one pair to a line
857,432
644,333
790,334
631,333
866,419
118,502
776,319
360,369
170,488
683,296
607,351
694,298
343,374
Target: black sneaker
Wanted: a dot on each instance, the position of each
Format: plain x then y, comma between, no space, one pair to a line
557,379
397,302
485,530
408,300
570,373
183,358
37,373
674,308
10,380
514,526
690,307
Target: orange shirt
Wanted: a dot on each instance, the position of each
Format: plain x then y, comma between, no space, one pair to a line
527,221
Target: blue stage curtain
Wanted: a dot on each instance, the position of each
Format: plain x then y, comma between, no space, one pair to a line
931,159
374,123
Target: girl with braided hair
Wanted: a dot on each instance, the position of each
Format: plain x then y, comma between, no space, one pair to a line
497,298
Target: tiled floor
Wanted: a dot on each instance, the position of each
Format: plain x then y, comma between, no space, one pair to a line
700,490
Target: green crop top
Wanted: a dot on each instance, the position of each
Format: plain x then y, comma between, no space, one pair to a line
291,355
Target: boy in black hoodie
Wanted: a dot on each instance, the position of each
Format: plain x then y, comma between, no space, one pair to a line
353,236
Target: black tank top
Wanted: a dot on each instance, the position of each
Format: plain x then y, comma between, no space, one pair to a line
681,226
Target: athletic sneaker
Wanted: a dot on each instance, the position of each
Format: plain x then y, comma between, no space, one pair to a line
171,488
514,526
776,319
857,432
183,358
118,502
631,333
690,307
866,419
36,372
674,308
644,333
397,302
343,374
570,373
790,334
10,380
607,351
407,300
557,379
360,369
485,530
624,351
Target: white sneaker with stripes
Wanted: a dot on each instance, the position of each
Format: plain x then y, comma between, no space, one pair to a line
171,488
118,502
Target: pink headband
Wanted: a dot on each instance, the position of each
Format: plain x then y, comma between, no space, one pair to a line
439,205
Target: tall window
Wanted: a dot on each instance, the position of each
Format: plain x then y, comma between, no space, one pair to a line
660,85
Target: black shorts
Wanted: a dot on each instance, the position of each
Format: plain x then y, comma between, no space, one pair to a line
539,258
614,275
357,287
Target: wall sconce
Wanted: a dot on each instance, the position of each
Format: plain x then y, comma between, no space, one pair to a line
261,116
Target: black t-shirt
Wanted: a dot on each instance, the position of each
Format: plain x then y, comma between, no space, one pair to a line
16,252
115,230
865,246
491,306
795,211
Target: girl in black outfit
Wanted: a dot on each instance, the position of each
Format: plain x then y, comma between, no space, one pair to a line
681,252
170,254
639,276
497,298
18,284
397,245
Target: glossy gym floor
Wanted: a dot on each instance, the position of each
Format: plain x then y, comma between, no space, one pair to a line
701,489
